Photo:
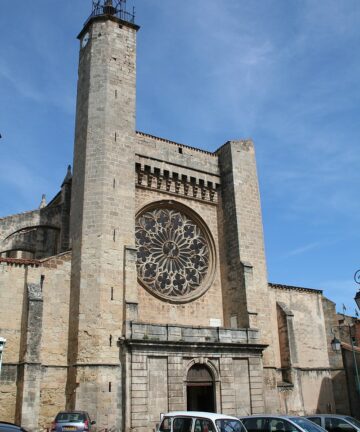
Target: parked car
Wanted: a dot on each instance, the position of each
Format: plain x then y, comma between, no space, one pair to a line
279,423
336,422
69,421
198,421
10,427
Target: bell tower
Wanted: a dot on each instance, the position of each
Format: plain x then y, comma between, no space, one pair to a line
102,209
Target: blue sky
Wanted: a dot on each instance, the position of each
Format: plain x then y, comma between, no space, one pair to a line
282,72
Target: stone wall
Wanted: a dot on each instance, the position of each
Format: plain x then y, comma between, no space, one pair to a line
157,378
309,388
172,156
35,312
208,306
12,300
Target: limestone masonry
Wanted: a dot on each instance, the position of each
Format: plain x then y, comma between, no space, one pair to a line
142,286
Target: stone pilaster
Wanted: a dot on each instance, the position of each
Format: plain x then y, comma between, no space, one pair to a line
28,398
243,266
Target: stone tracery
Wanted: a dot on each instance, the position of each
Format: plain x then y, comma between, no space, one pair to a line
172,253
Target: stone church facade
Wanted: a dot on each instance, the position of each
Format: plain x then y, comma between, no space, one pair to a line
142,286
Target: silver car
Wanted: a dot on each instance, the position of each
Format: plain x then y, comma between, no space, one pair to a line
279,423
72,421
10,427
336,422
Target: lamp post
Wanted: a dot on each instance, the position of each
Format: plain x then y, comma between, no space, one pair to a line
2,347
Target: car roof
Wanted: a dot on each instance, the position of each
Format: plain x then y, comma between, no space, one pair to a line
212,416
269,415
340,416
10,426
72,412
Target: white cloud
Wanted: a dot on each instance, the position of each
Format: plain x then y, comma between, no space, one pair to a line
302,249
19,84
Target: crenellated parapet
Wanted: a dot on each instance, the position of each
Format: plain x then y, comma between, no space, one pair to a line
170,180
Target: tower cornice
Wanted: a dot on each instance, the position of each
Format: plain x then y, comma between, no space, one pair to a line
106,17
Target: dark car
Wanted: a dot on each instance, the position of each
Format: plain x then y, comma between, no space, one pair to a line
10,427
279,423
336,422
69,421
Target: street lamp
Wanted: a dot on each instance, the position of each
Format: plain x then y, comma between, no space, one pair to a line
336,344
2,347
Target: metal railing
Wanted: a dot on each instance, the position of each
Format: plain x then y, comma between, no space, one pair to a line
116,8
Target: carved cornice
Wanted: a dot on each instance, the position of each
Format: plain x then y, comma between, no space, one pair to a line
174,185
294,288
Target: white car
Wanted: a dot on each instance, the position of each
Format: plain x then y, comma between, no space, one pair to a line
198,421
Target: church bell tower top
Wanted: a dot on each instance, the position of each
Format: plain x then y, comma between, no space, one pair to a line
115,10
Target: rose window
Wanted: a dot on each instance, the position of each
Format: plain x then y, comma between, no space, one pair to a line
173,253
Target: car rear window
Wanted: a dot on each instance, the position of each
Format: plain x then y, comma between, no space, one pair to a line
204,425
165,425
69,417
229,425
254,424
353,421
316,420
338,425
182,424
306,424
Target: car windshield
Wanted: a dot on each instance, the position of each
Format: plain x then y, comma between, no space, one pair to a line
353,421
229,425
306,424
70,417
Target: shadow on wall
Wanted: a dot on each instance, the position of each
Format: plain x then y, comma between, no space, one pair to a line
340,390
349,358
31,242
326,402
337,386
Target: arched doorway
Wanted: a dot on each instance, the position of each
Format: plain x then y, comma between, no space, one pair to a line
200,389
